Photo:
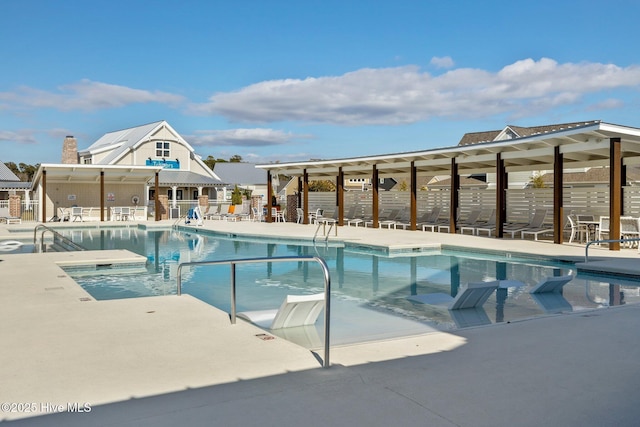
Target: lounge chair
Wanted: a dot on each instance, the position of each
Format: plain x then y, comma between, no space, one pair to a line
387,216
473,217
357,221
551,284
474,295
487,225
535,225
8,219
432,220
296,310
466,308
402,220
548,294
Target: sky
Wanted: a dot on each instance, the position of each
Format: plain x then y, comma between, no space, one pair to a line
286,81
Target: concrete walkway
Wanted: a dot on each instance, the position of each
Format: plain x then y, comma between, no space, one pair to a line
177,361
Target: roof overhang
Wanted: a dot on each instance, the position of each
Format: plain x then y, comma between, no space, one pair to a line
581,146
89,174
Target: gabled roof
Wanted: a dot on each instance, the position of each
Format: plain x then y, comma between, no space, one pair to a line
122,141
512,132
6,174
240,173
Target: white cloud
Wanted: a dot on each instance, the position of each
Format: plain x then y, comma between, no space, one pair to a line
257,137
402,95
442,62
86,95
22,137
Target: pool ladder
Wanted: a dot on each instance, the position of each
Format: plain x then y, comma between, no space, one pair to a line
234,262
59,240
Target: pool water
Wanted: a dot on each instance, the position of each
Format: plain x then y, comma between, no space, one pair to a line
371,291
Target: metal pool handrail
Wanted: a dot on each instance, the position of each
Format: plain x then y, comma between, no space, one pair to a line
68,241
234,262
586,249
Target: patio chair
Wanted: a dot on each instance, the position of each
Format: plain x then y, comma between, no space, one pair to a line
402,220
8,219
76,213
577,230
257,214
434,220
386,216
630,229
536,223
296,310
357,221
473,217
314,215
466,308
603,228
299,215
551,284
488,225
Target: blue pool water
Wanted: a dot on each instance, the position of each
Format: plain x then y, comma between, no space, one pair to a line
371,291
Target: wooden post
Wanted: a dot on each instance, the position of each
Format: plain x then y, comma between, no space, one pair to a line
305,191
455,196
500,196
558,205
374,188
615,185
269,196
101,196
414,196
340,196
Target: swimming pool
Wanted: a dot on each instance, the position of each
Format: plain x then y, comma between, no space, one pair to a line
371,290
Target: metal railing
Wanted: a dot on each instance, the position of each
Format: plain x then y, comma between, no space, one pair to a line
586,249
56,237
233,263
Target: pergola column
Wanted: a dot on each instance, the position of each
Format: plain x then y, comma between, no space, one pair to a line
455,196
174,196
500,196
615,189
305,194
101,196
558,204
43,203
340,196
269,196
157,197
414,195
374,202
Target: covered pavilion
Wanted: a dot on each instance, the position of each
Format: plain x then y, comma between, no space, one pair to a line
589,144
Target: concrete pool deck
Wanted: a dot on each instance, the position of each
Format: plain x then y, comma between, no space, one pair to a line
175,360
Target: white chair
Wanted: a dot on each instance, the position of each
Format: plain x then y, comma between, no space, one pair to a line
296,310
603,228
313,215
125,213
76,213
630,229
299,215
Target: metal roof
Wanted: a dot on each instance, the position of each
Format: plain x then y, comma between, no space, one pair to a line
240,173
168,177
6,174
582,146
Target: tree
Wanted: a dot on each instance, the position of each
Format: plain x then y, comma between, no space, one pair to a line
322,185
537,181
236,158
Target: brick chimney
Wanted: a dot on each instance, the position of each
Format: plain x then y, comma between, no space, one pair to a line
70,151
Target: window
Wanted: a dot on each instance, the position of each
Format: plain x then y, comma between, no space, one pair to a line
162,149
178,194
